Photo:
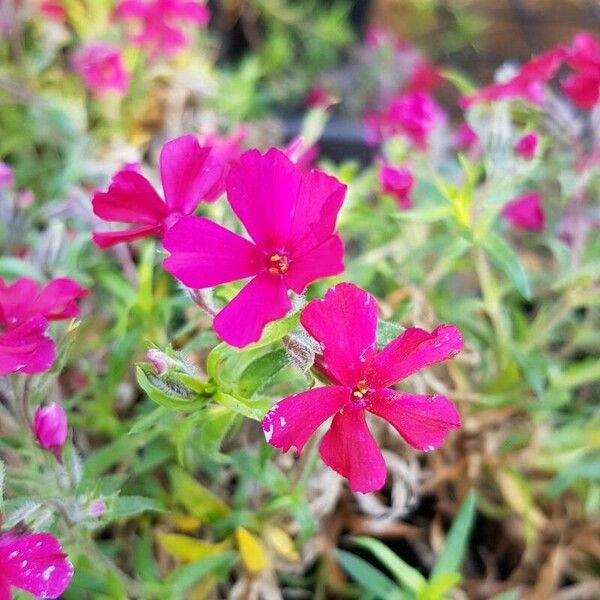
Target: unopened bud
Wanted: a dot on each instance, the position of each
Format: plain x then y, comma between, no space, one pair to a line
97,508
51,428
159,361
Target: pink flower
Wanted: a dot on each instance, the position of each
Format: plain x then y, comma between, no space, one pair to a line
160,21
525,212
527,84
465,137
97,509
26,348
345,324
527,145
54,10
101,67
34,563
24,299
7,177
290,216
189,174
413,115
583,87
424,77
398,182
51,428
319,97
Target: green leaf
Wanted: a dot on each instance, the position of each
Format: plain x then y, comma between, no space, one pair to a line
505,259
386,332
260,371
453,553
577,374
438,587
148,420
585,468
367,576
197,499
402,571
508,595
11,267
124,507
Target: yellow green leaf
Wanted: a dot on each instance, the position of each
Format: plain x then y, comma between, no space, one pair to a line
281,542
187,548
252,551
199,501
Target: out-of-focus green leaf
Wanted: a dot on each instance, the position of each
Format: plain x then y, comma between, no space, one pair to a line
124,507
374,581
197,499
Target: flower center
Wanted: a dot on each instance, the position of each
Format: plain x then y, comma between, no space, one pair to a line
278,264
360,390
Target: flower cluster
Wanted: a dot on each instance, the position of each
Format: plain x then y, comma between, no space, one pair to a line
25,309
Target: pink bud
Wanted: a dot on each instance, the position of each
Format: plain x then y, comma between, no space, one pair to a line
97,508
398,182
7,178
51,428
159,361
527,145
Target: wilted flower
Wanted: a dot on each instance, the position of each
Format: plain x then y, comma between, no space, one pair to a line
34,563
527,145
398,182
290,216
345,324
101,67
525,212
51,428
189,174
160,21
583,87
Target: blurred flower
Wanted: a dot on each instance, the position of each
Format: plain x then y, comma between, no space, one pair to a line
527,84
54,10
101,67
319,97
583,87
51,428
160,21
189,174
34,563
398,182
290,216
25,199
7,177
24,299
345,324
96,509
26,349
424,77
525,212
300,154
527,145
465,137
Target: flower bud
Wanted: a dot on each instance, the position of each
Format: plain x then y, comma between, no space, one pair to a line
51,428
159,361
97,508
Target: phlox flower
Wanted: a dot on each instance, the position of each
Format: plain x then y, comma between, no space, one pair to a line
424,77
527,144
100,65
583,86
344,323
290,217
25,311
34,563
527,84
465,137
51,428
397,182
160,21
189,174
526,212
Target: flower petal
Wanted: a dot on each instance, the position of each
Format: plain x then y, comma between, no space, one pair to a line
423,421
188,173
324,260
262,190
27,348
15,300
294,419
350,450
345,324
317,206
204,254
107,239
5,593
262,300
412,351
130,199
37,564
57,299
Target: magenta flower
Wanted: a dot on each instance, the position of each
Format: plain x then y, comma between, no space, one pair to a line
51,428
397,182
465,137
525,212
26,348
160,22
424,77
24,299
414,115
319,97
527,145
527,84
100,65
53,10
188,173
345,324
290,216
7,177
583,87
34,563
